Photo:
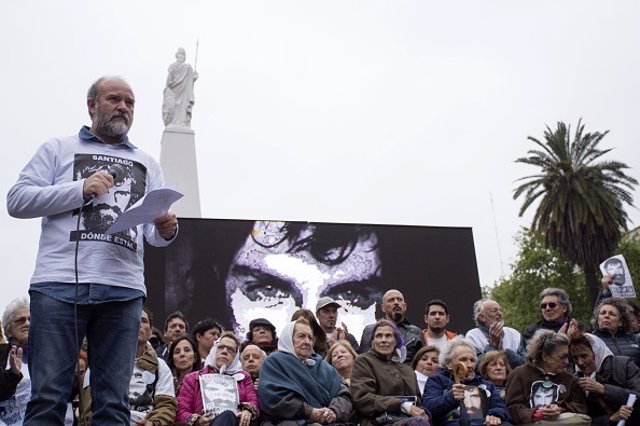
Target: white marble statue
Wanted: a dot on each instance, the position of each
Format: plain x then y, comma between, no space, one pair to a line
178,101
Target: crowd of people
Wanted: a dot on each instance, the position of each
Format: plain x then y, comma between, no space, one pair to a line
556,371
89,282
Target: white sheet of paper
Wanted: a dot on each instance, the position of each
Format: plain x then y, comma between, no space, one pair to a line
155,203
622,285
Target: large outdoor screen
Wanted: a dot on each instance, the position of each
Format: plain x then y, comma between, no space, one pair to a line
238,270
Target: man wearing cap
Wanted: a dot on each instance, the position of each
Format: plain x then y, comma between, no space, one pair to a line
263,334
327,314
394,308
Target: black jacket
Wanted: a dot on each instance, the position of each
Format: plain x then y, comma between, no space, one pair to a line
621,343
8,380
620,377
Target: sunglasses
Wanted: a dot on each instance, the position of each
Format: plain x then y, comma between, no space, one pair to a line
551,305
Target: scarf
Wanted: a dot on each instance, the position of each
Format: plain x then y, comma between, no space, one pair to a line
232,368
600,350
285,343
283,373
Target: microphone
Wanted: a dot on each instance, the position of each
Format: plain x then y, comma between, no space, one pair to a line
116,171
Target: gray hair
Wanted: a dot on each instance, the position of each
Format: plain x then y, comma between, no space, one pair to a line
477,309
7,315
446,356
94,90
544,342
562,296
621,305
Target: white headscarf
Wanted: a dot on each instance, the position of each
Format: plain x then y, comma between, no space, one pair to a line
285,342
600,350
232,368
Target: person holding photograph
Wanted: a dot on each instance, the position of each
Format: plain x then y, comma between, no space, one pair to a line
223,359
541,389
456,395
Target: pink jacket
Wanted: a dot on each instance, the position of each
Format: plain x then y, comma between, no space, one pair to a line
190,401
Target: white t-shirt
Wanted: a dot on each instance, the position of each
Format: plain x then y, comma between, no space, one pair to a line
140,389
140,399
440,343
12,410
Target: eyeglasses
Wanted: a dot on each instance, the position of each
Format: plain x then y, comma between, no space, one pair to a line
229,349
551,305
21,320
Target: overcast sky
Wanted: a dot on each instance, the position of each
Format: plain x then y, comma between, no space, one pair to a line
401,112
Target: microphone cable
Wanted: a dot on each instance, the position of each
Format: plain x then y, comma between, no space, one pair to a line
115,171
81,413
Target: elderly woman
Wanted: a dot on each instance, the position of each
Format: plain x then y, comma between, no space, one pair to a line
222,359
555,307
341,356
262,333
612,324
385,391
607,379
320,344
456,395
542,389
15,385
425,363
252,357
182,359
494,366
297,387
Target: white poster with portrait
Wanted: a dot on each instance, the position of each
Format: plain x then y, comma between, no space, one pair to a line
621,285
219,393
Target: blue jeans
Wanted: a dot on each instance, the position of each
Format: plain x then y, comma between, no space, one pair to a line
112,332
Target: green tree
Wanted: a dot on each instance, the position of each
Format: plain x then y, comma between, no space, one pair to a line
629,247
580,211
536,268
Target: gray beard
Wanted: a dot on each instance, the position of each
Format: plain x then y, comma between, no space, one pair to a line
111,129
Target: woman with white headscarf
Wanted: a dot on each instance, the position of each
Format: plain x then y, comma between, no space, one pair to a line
222,359
606,379
297,386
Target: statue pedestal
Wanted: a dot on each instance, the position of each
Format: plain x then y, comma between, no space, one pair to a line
178,161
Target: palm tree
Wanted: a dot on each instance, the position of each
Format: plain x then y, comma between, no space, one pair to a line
580,212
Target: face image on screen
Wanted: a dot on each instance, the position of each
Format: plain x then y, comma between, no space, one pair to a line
238,270
284,266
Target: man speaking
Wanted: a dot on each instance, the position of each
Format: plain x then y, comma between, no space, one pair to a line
81,177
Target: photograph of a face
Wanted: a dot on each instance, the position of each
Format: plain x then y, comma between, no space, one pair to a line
616,267
239,270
